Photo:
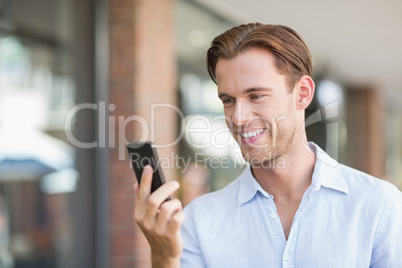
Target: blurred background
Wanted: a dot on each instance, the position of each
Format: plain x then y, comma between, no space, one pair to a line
79,79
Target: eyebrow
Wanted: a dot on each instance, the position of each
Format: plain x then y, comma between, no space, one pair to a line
247,91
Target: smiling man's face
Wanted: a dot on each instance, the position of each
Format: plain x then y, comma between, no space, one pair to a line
260,110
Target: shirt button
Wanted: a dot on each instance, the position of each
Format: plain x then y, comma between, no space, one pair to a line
273,215
286,257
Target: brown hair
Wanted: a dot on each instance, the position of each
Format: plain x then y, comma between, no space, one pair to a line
292,57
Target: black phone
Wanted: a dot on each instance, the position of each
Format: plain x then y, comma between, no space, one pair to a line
143,154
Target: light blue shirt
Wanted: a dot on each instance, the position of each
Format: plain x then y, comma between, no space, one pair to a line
346,218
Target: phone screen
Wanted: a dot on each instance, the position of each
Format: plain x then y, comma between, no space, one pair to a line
141,155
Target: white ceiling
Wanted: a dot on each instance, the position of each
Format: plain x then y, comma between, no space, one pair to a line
356,41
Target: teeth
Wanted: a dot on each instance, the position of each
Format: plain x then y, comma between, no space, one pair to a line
250,134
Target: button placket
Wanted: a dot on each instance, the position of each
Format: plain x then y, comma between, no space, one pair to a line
291,242
286,261
274,222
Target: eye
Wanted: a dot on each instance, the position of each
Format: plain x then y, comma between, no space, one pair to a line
227,101
255,96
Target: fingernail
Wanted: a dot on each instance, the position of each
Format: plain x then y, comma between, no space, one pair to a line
175,183
147,169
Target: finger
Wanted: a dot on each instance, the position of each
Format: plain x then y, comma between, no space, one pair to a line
166,190
176,222
167,211
144,189
157,198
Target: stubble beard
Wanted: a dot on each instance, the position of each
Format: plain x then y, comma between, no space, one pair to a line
277,146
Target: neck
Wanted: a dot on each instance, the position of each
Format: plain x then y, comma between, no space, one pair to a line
289,179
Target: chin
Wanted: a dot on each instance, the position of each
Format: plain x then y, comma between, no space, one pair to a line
260,156
266,159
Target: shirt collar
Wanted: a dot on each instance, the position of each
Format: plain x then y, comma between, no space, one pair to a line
327,173
247,188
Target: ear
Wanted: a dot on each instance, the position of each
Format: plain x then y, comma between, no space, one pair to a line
304,92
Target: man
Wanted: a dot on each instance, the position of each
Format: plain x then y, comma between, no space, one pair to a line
309,211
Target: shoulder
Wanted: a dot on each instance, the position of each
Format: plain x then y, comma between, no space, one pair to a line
363,183
375,196
351,181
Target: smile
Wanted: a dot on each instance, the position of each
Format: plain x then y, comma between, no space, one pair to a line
251,134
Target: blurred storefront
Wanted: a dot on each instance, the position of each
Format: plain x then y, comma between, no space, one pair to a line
78,79
37,170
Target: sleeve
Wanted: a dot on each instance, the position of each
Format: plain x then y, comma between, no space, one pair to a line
387,246
191,256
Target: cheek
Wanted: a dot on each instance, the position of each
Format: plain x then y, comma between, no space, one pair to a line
286,125
266,110
278,119
228,112
277,110
228,121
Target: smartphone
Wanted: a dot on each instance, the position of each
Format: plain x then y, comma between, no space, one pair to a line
143,154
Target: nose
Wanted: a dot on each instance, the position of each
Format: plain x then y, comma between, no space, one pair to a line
242,113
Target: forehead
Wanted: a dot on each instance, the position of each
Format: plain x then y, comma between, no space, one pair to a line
252,68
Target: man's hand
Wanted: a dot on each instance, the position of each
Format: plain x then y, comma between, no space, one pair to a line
160,221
